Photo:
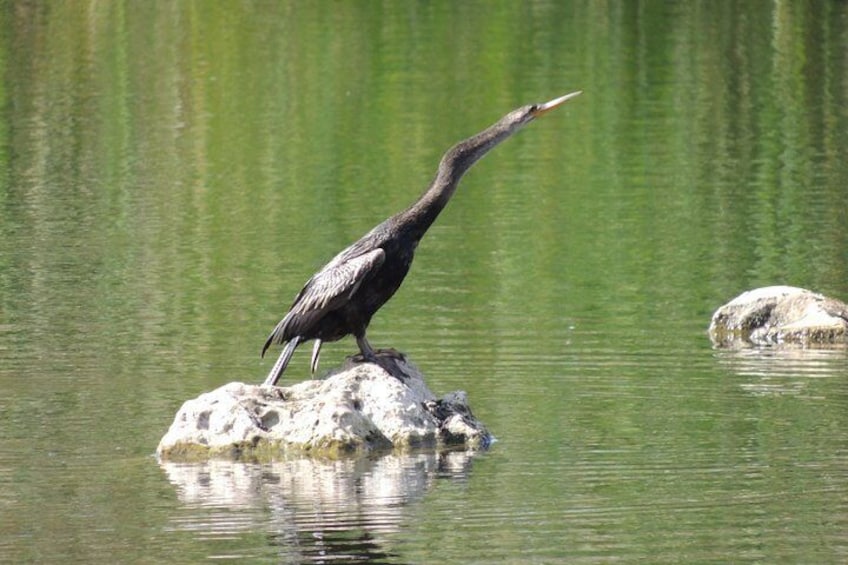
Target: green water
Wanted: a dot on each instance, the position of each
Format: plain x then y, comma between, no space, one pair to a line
172,172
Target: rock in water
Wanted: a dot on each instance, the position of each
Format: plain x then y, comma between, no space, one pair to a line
780,314
357,410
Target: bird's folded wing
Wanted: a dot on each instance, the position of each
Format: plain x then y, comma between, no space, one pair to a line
333,286
327,290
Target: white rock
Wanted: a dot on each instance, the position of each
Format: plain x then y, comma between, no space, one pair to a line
360,409
780,314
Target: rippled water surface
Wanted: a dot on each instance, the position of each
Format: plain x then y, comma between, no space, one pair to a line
171,173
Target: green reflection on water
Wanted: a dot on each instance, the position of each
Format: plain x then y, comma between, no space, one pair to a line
171,173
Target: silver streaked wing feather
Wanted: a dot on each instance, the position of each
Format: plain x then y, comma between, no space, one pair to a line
327,290
333,286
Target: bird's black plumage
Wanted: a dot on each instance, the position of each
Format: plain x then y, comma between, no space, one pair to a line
341,298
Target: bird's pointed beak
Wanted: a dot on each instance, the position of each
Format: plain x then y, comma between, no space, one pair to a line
548,106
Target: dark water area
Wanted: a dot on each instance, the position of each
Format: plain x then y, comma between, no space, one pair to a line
172,173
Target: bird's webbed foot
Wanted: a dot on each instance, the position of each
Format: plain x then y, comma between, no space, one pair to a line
390,352
388,359
378,356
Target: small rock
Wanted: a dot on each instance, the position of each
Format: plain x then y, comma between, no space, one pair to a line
357,410
780,314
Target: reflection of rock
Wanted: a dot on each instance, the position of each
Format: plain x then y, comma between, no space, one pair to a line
780,314
318,508
320,485
358,410
788,361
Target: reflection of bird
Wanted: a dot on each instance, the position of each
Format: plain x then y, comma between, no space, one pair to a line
341,298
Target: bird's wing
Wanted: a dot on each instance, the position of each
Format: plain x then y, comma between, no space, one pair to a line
327,290
333,286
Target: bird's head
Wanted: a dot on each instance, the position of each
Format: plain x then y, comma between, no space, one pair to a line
537,110
461,156
526,114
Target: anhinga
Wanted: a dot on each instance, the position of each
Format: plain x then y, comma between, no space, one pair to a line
340,299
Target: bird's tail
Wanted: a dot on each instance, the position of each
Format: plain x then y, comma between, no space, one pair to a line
282,362
276,336
316,353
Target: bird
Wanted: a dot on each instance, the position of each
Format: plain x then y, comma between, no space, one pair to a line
340,299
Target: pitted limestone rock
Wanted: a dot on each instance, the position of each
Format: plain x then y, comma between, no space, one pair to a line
356,410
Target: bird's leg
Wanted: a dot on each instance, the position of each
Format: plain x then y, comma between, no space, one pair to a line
365,348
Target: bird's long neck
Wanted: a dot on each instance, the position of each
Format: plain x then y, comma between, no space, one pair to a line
454,164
